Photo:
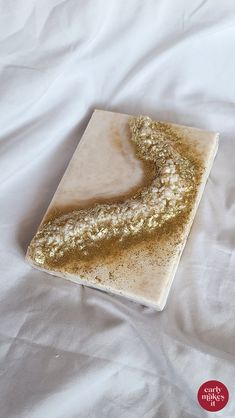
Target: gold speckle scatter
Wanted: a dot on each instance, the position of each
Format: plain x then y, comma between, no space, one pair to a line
165,199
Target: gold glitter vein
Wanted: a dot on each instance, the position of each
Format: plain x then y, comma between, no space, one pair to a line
173,177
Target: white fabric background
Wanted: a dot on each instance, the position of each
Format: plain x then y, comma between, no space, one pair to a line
68,351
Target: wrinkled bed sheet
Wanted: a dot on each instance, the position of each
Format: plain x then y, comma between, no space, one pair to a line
68,351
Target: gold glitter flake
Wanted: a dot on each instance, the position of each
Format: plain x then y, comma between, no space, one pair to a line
172,174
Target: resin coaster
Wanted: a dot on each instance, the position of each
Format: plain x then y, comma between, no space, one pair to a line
123,210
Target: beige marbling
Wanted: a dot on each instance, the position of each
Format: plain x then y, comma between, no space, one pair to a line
104,165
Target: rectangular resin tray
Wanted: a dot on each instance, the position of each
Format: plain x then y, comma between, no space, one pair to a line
122,212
